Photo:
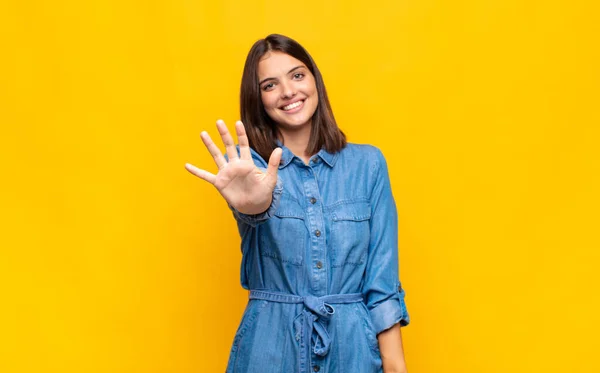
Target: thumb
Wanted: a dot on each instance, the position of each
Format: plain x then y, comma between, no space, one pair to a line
273,166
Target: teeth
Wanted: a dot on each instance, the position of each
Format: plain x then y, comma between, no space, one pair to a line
292,106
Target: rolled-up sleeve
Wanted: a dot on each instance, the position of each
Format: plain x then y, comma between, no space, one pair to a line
382,288
254,220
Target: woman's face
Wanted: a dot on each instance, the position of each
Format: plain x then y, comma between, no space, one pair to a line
288,90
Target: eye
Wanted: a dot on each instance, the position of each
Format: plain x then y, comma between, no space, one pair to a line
268,86
298,75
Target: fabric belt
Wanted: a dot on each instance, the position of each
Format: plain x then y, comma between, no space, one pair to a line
313,320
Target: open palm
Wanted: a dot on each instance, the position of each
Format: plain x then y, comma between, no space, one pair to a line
243,185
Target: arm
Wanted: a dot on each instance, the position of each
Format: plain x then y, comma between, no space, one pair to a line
382,288
392,351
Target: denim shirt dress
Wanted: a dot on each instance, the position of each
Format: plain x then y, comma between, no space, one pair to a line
321,265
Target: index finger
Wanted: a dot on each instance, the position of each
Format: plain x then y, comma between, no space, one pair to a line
243,141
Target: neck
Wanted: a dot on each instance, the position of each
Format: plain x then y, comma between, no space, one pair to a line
297,141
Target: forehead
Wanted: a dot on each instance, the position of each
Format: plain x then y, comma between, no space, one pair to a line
274,64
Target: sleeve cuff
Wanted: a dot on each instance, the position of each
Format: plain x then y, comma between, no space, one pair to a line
389,313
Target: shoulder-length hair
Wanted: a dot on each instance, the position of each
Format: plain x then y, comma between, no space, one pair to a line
262,131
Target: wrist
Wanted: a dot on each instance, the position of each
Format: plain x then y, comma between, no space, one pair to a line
400,370
394,367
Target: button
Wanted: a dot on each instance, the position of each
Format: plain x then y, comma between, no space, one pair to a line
316,368
318,233
313,200
319,265
400,288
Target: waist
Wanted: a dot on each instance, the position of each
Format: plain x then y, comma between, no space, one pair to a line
312,324
273,296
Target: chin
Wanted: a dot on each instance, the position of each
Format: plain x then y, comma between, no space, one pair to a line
295,124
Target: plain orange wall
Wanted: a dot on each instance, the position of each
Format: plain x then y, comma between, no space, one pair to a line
114,259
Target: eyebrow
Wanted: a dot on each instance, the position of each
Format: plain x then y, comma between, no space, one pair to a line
292,70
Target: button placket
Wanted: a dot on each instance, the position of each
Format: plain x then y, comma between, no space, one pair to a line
315,224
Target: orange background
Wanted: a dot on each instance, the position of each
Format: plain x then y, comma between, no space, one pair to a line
114,259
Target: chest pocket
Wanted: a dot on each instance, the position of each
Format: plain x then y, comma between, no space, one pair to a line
350,233
283,236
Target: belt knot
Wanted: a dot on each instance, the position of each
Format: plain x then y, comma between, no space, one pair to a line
310,325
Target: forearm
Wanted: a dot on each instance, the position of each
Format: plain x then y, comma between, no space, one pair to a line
392,351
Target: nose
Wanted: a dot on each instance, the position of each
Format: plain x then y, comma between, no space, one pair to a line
288,90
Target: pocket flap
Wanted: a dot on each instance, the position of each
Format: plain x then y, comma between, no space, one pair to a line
356,211
288,208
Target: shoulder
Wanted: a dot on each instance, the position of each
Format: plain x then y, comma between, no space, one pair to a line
365,150
365,154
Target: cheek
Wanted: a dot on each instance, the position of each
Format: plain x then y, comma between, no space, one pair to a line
311,86
311,90
269,101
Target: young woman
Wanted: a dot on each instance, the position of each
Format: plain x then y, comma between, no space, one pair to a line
318,225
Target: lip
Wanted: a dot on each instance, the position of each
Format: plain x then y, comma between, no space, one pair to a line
294,110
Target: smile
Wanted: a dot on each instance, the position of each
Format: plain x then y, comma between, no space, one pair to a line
293,106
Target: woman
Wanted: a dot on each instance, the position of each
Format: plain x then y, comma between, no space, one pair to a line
318,225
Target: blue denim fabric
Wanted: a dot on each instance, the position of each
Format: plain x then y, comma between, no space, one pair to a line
322,267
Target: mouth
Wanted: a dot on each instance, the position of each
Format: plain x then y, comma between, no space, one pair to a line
293,107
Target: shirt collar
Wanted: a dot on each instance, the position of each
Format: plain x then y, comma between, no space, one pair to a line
327,157
287,156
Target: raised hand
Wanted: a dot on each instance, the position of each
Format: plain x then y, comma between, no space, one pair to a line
243,185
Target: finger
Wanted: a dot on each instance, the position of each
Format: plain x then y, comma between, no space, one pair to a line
274,160
214,150
204,175
227,140
243,141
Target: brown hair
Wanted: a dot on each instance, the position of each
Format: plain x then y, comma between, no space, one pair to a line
261,129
